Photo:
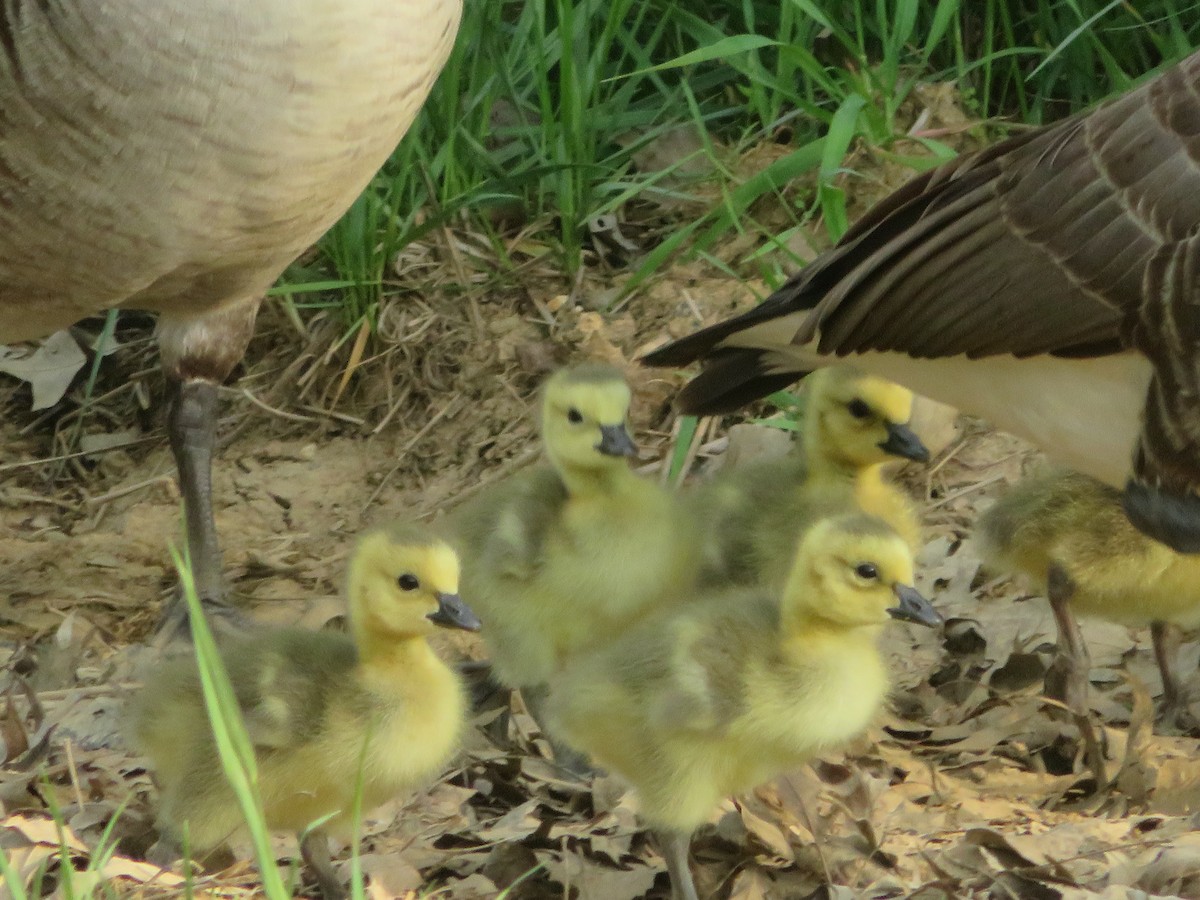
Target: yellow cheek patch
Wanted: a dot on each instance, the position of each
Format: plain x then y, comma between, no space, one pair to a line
887,398
383,560
895,562
887,551
608,404
441,570
604,402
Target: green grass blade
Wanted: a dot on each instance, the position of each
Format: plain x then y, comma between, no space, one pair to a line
683,444
842,132
13,883
720,50
229,731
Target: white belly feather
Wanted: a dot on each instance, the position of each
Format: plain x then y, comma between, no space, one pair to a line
1085,413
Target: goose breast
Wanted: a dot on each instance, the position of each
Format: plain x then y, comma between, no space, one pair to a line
175,155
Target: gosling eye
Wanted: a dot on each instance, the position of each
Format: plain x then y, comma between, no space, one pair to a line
408,582
859,409
574,416
866,571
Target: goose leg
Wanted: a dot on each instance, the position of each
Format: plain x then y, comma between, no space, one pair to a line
192,428
1166,650
314,848
675,846
1067,678
198,353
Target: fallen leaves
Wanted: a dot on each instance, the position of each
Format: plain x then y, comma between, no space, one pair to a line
49,368
32,844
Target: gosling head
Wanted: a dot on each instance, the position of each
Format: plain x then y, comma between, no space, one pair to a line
584,418
403,583
853,571
859,420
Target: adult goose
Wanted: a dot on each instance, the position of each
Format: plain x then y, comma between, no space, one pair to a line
1050,283
176,155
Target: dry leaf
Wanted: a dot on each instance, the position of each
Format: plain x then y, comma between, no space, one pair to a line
49,369
389,876
43,830
144,872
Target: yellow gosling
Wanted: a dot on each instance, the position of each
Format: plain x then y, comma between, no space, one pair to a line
732,688
1068,534
572,553
854,426
319,706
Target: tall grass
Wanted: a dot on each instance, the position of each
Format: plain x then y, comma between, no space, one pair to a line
544,103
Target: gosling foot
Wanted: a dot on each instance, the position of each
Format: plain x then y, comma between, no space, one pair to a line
314,848
1067,677
1176,716
165,852
175,624
1174,711
1066,682
565,756
571,760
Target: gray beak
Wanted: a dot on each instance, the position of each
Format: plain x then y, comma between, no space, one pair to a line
903,441
453,613
913,607
615,441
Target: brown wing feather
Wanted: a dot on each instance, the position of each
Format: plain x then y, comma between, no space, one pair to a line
1074,214
1078,239
1038,244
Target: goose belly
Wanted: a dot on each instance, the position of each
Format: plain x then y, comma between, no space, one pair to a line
176,156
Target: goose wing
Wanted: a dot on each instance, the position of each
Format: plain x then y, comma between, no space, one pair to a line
1042,244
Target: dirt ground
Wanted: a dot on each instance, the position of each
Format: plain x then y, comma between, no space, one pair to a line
967,786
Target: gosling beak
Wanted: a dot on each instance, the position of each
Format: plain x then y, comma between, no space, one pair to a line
913,607
453,613
903,441
615,441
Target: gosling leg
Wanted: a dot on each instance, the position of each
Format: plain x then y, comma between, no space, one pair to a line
166,851
1174,707
198,353
675,846
1067,678
566,756
314,848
